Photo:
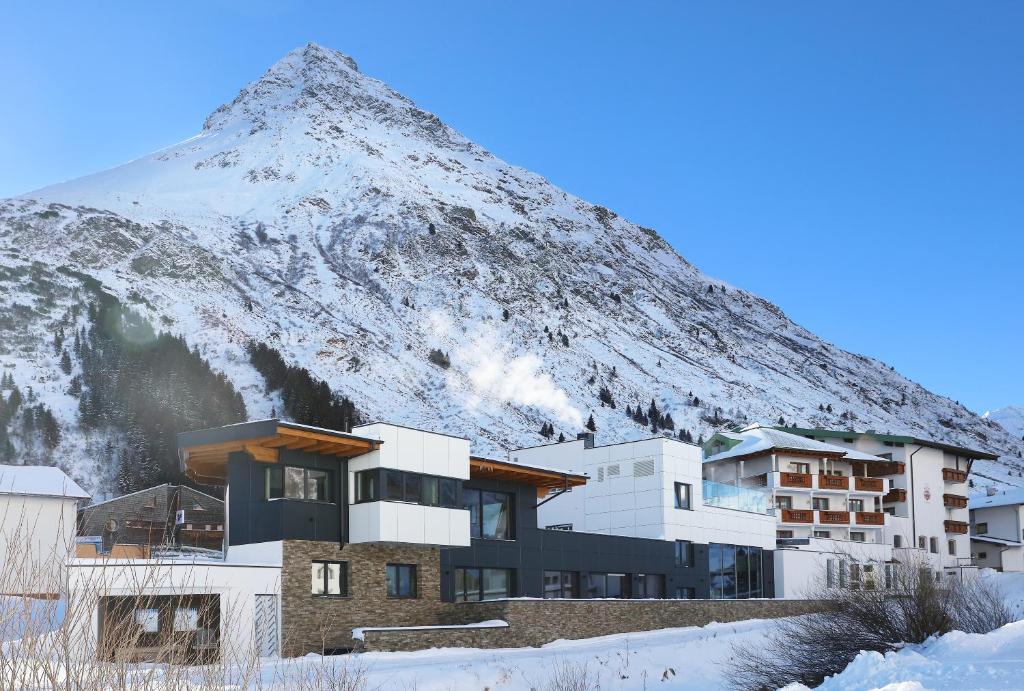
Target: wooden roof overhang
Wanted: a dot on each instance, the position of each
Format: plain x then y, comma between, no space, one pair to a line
544,479
204,454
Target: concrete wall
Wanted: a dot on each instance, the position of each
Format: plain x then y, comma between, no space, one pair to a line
38,535
537,622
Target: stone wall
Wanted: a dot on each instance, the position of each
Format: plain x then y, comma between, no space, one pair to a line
536,622
311,623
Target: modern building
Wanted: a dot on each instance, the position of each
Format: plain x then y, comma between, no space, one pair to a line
38,505
654,489
997,529
829,522
927,499
163,516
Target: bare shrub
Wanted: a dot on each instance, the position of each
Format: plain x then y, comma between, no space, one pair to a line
908,605
566,675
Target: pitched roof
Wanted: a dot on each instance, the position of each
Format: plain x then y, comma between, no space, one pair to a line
1008,497
755,439
38,481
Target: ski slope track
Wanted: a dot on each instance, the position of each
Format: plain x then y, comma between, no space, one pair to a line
327,215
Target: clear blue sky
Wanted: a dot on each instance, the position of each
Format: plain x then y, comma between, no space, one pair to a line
861,164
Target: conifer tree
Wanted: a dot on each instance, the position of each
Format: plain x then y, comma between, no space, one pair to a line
590,423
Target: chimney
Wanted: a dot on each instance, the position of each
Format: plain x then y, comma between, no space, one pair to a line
588,439
991,491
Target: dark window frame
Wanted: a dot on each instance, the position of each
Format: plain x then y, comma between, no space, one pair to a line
459,594
684,553
681,502
282,468
413,593
574,585
449,489
343,579
476,528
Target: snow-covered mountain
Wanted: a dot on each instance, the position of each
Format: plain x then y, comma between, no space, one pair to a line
1010,418
325,214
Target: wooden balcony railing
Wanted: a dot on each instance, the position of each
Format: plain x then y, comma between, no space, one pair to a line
954,501
868,484
797,515
795,480
833,482
834,517
879,468
954,475
870,518
894,495
956,527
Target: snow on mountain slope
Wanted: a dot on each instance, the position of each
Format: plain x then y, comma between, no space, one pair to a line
1010,418
328,216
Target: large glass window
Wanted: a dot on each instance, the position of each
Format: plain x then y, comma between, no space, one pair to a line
329,578
397,485
401,580
560,584
472,584
735,571
684,553
293,482
608,585
490,514
651,585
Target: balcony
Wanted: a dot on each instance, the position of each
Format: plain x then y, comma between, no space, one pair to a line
954,501
798,480
833,482
868,484
895,494
834,517
876,518
956,527
737,498
797,515
954,475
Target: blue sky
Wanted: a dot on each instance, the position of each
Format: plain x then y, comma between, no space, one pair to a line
859,164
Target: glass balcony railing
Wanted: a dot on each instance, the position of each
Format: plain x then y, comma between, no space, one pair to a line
738,498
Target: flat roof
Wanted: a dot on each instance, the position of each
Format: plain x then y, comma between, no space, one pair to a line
540,477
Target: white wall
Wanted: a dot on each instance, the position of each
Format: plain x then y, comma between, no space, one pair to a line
413,450
801,570
389,521
37,538
89,579
630,492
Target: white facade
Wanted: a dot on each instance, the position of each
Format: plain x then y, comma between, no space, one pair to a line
414,451
237,585
38,511
631,492
800,570
997,530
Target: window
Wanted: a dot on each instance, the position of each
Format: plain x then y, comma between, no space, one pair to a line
385,484
820,503
982,555
651,585
186,619
783,502
933,545
684,553
890,575
981,528
559,526
897,541
683,493
401,580
304,484
921,541
856,504
148,620
823,533
855,575
329,578
802,468
951,545
560,584
735,571
856,536
848,440
608,585
783,534
490,514
473,585
685,593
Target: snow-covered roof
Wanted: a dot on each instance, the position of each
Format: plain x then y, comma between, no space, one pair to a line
755,439
1007,497
39,481
995,540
